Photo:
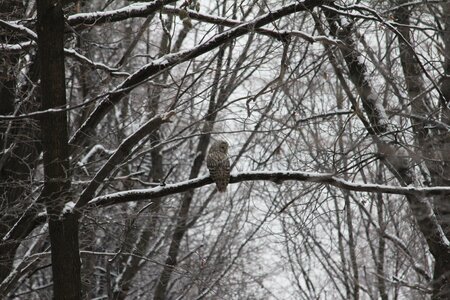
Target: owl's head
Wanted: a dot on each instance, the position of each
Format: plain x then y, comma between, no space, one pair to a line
220,146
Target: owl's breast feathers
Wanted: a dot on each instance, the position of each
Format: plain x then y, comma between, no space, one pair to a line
219,169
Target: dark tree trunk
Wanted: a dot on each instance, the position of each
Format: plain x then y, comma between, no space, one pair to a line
63,227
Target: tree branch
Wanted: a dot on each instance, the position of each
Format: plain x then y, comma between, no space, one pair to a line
85,20
275,176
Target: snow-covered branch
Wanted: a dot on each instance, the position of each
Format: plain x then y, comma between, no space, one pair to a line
134,10
14,26
20,30
96,65
276,176
19,47
96,149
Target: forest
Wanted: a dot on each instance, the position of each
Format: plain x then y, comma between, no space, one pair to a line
336,115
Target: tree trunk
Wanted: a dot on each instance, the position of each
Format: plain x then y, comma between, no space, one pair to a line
63,228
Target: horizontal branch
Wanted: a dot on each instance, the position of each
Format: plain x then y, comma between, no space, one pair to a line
16,48
275,176
131,11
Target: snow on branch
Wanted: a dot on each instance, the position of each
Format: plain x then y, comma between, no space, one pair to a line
276,176
131,11
20,29
83,162
14,26
19,47
96,149
96,65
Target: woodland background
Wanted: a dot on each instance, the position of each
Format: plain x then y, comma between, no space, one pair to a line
337,117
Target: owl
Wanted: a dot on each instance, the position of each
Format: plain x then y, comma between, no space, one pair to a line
219,164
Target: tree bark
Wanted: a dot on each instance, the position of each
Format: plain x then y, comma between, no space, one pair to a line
63,227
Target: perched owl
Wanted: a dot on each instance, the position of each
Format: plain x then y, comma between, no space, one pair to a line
219,165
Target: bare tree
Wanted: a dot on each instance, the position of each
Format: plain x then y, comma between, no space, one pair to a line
337,118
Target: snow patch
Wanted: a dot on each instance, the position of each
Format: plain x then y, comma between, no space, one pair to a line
68,208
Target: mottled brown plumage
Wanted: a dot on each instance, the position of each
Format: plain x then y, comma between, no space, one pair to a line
219,164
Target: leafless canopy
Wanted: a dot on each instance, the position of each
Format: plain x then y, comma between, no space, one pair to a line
337,117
